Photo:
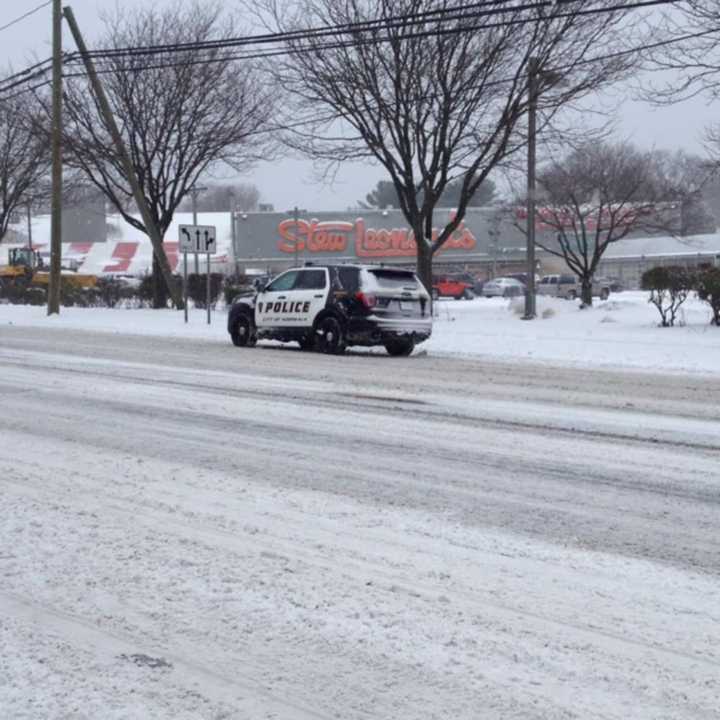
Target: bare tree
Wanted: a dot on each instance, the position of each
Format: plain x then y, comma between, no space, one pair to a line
180,113
226,197
433,92
24,157
597,195
689,47
384,195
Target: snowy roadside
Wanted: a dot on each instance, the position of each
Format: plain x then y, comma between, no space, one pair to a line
620,333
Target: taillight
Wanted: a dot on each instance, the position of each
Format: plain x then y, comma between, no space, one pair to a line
368,300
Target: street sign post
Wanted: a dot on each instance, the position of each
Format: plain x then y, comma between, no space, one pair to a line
198,239
185,293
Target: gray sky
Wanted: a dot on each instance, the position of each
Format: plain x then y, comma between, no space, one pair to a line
292,182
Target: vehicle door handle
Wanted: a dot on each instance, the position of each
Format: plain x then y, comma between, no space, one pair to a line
318,296
281,297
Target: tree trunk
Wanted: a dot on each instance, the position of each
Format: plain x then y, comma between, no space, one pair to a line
586,291
160,290
424,266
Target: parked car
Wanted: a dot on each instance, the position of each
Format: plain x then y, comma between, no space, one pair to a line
457,286
503,287
329,307
613,283
569,287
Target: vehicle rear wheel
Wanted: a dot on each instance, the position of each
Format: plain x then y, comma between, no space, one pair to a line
243,334
435,294
399,347
330,336
307,342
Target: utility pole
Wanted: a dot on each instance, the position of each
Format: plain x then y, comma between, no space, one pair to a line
53,306
532,132
148,222
29,225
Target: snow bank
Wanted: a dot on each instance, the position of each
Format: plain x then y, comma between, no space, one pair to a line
622,332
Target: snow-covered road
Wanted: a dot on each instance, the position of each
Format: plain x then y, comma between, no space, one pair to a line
198,532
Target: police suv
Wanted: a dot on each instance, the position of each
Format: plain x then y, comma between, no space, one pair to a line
329,307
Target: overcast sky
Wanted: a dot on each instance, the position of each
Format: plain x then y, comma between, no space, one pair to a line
292,182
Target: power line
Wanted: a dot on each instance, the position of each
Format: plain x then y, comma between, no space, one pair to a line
301,49
346,28
26,15
74,57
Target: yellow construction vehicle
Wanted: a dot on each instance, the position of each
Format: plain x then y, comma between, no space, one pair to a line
25,268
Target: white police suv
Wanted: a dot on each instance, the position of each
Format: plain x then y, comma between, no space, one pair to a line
330,307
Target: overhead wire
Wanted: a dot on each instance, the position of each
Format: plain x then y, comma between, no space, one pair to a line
354,43
26,15
75,56
469,10
295,35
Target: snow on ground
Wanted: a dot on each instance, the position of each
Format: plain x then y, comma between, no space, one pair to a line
622,332
275,535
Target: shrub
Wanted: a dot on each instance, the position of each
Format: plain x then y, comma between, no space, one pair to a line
145,290
197,288
231,290
109,290
708,289
669,288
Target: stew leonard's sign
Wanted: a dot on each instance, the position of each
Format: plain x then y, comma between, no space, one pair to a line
371,236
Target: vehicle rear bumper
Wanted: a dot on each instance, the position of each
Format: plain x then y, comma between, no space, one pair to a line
374,330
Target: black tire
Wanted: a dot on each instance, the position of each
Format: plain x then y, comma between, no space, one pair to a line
604,294
572,295
307,342
243,333
330,336
400,347
435,294
468,295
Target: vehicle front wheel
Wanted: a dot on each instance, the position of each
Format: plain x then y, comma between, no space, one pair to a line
243,333
400,347
330,336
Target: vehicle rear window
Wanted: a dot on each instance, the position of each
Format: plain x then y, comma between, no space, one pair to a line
391,279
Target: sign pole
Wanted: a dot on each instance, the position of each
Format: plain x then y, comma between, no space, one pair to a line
207,288
185,284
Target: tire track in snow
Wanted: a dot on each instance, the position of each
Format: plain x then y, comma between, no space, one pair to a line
78,631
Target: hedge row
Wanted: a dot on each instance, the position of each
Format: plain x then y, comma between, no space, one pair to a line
111,292
670,286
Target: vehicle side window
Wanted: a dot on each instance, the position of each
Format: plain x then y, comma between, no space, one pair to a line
310,280
284,282
553,280
544,281
567,279
349,279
